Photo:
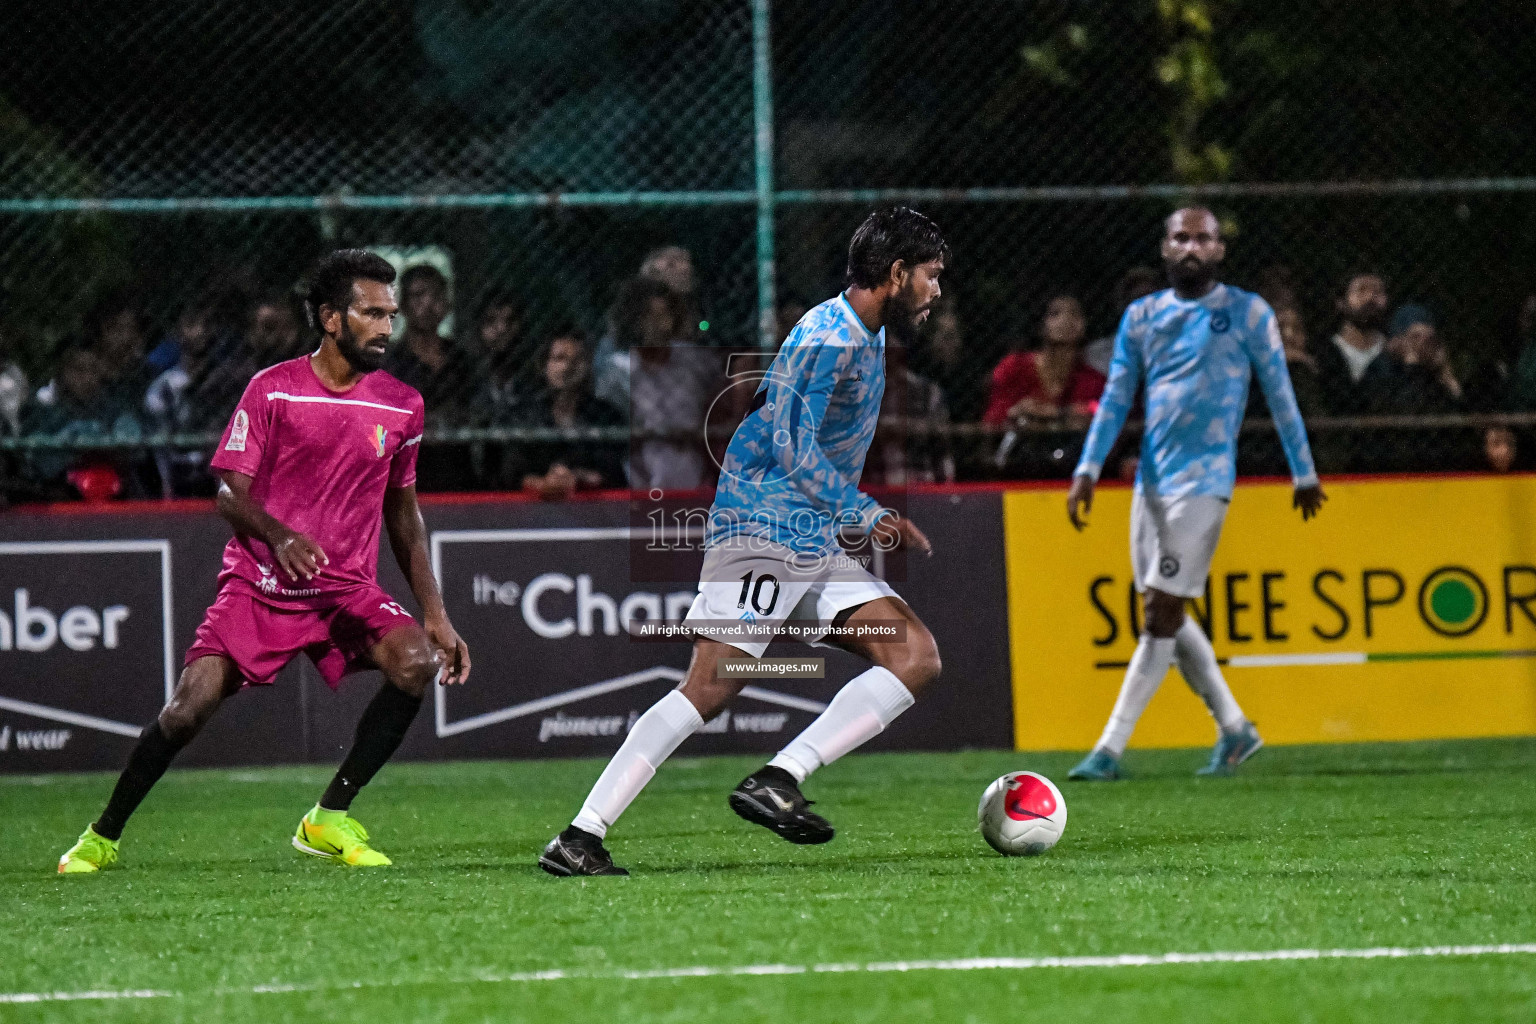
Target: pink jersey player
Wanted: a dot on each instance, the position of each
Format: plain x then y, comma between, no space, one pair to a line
320,452
320,462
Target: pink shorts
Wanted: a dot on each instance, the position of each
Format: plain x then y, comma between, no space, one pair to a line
261,638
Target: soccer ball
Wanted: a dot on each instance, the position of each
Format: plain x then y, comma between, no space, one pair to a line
1022,814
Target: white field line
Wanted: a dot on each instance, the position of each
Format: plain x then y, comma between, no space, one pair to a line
1280,660
995,963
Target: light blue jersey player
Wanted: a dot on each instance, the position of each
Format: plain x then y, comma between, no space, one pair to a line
791,473
772,564
1194,347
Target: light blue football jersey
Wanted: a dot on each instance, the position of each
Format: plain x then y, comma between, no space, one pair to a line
1196,357
791,472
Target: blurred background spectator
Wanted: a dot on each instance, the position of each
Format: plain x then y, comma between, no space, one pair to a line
564,399
1519,393
115,331
1047,386
787,312
13,389
1259,450
503,375
273,331
1500,449
671,385
1050,383
1133,284
672,265
438,368
910,445
1427,384
1354,370
83,407
941,356
190,397
423,357
645,314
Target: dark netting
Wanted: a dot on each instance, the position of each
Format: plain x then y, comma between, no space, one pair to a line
167,168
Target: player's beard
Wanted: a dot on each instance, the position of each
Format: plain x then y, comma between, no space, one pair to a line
900,315
357,357
1190,274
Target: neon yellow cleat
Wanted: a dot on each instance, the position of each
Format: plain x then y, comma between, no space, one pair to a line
89,854
336,836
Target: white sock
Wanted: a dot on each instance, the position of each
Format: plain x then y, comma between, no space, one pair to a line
1148,667
651,741
860,712
1197,663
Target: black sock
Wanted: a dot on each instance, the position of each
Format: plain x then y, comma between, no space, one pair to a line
379,732
149,760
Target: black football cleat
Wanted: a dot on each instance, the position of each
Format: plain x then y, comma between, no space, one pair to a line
578,852
770,797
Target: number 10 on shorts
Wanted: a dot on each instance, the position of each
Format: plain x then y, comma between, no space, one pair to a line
756,592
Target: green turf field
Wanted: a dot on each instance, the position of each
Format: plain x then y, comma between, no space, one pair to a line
1323,847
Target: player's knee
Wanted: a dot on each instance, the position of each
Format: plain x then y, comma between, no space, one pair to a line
180,721
709,696
917,663
415,671
1165,614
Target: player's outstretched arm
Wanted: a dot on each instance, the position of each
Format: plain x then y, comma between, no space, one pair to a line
1125,372
1267,355
408,540
296,554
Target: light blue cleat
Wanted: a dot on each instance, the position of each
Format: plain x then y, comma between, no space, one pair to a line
1099,766
1232,750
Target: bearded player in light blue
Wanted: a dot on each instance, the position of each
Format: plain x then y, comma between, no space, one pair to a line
789,485
1195,345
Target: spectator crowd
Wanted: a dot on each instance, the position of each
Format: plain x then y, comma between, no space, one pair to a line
648,403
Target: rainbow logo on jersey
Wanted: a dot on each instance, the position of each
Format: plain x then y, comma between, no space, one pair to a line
379,435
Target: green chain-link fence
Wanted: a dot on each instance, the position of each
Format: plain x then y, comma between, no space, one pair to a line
158,156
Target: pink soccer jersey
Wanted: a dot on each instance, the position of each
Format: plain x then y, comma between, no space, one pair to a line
319,461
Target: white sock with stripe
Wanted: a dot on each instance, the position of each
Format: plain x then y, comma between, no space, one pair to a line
651,741
860,712
1197,664
1148,666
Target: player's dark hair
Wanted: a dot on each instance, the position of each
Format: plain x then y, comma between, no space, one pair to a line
889,234
330,283
422,272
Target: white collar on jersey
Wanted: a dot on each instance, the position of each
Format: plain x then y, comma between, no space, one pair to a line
1212,299
854,317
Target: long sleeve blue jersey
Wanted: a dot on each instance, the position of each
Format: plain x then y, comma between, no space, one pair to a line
791,472
1196,357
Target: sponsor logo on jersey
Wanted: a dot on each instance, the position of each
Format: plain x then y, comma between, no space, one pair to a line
379,436
238,432
268,583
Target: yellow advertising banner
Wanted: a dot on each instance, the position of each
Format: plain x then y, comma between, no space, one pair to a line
1406,610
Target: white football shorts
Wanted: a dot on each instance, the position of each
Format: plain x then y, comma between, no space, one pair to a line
1173,541
752,590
